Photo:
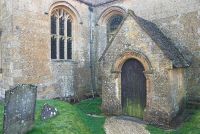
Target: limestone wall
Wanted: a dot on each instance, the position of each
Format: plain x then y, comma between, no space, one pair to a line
163,96
30,60
0,37
177,82
6,44
25,41
183,29
178,19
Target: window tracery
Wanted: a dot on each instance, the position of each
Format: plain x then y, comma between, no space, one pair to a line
61,34
112,26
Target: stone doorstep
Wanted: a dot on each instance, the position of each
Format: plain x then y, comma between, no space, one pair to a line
96,116
179,120
125,125
133,119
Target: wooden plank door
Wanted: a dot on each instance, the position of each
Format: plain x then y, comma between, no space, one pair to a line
133,88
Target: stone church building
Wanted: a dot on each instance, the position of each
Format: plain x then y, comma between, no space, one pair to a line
141,56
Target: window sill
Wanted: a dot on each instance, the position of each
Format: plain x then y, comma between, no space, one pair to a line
63,60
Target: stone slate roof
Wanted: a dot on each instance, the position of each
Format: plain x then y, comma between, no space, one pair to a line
96,2
165,44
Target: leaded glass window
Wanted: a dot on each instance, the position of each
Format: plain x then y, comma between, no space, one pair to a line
61,34
53,48
112,26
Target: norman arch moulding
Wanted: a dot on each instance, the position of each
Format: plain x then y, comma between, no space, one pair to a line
132,55
117,66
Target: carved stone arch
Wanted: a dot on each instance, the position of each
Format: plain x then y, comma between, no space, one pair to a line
71,9
132,55
106,14
116,70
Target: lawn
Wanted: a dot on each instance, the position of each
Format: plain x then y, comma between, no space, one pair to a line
1,118
192,126
72,119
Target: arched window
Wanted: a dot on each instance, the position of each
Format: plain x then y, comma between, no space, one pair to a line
61,34
112,26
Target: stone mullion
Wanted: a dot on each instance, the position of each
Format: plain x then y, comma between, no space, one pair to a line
72,47
65,34
57,38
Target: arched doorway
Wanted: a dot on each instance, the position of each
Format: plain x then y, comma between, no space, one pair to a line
133,85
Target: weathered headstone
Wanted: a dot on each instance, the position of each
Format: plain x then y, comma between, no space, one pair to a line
48,112
19,109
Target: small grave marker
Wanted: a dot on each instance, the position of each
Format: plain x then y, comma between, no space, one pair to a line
19,109
48,112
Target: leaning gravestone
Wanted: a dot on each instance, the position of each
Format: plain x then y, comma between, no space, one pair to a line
19,109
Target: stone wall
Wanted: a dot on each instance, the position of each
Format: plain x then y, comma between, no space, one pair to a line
1,7
6,45
183,30
30,61
25,41
178,84
178,20
164,97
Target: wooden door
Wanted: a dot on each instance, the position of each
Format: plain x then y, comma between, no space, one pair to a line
133,92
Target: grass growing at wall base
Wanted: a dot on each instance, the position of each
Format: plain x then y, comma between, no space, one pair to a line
72,119
192,126
92,107
1,118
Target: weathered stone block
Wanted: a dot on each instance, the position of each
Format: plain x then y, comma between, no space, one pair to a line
19,110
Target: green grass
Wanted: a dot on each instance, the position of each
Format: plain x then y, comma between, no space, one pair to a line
155,130
92,107
72,119
191,126
1,118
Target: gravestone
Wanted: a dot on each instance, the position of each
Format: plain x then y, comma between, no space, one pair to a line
19,109
48,112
